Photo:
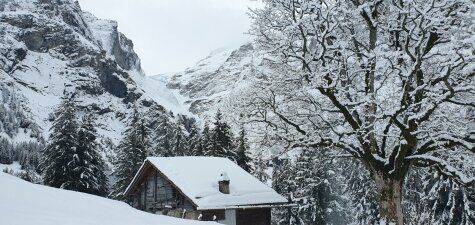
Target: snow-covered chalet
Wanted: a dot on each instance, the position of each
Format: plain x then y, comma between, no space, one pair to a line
202,188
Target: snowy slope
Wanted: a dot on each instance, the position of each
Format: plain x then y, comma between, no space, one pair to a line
119,48
224,72
48,47
23,203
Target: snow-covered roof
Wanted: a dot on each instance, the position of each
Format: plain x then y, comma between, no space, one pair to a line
197,178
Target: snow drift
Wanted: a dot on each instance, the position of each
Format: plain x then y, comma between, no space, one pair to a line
23,203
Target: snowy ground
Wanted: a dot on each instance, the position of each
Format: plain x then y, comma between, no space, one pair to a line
23,203
15,167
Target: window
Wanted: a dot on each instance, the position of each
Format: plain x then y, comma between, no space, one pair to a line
210,215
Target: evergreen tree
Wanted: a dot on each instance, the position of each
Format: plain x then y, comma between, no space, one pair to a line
454,203
436,199
180,144
242,156
206,142
61,152
6,151
12,115
199,150
284,184
28,154
260,168
164,137
222,142
319,203
178,148
143,133
29,175
194,145
362,193
310,190
132,151
314,183
90,166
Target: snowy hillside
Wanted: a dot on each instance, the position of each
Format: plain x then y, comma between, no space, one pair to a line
48,47
225,71
23,203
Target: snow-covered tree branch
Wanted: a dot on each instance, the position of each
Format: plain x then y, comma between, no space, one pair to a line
390,82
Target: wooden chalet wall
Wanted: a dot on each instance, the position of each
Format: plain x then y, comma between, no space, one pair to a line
156,194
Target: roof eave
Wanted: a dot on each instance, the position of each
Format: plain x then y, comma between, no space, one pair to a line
139,173
136,177
254,206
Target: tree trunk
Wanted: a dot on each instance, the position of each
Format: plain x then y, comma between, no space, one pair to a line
390,198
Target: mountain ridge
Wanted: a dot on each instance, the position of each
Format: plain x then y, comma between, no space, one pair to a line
49,47
206,86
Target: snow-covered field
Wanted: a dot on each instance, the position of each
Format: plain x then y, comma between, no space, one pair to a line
15,167
23,203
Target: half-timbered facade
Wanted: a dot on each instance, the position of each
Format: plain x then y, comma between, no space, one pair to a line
202,188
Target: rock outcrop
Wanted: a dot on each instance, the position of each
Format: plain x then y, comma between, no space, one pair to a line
51,46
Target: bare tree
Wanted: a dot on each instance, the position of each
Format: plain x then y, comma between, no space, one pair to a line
390,82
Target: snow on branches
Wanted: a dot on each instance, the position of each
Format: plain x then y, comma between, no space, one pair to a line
389,82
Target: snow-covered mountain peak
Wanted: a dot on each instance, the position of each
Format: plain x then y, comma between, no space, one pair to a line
215,77
51,46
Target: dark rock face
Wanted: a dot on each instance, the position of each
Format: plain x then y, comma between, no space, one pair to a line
34,41
46,35
200,105
21,21
42,36
20,54
132,97
147,103
69,11
125,58
110,81
9,58
90,88
116,44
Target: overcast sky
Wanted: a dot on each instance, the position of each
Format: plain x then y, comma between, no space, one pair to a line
171,35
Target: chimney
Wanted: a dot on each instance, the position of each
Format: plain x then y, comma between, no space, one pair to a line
224,183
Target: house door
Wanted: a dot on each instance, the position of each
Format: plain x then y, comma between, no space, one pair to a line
253,216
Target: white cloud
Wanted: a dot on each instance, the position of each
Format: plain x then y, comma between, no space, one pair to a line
170,35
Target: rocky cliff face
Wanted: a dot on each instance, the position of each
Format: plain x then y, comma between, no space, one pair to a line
51,46
115,44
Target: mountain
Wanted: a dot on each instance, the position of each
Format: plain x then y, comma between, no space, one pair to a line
48,47
24,203
206,86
